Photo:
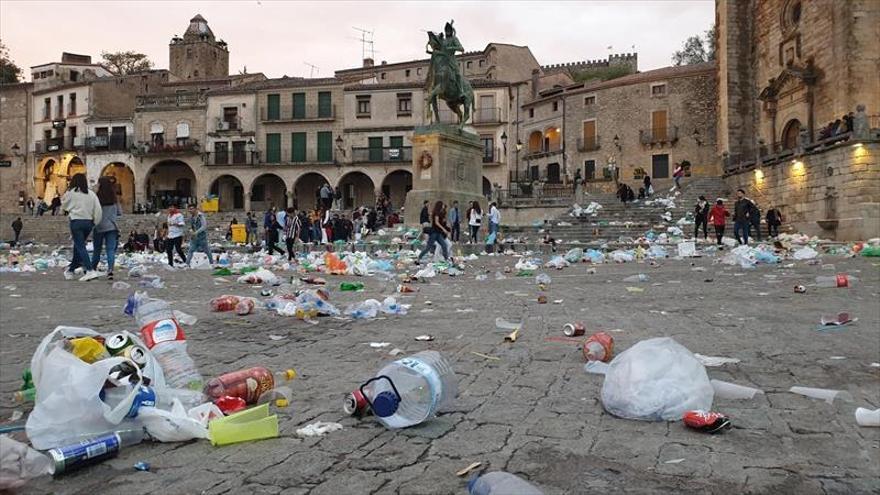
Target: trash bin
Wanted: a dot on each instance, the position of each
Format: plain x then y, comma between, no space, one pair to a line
239,235
211,205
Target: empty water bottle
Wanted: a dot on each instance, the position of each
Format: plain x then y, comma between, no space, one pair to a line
641,277
408,391
162,334
839,280
501,483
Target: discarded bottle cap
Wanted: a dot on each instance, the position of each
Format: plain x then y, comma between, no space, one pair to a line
290,374
281,403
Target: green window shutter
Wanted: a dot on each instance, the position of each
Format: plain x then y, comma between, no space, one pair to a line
325,108
273,148
299,105
375,145
325,146
273,104
298,140
395,141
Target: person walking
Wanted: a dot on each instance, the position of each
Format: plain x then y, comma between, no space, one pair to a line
454,219
56,203
268,220
198,242
106,233
774,220
755,219
677,174
701,217
741,209
494,218
251,228
439,232
718,216
326,194
174,240
30,206
84,211
16,229
272,237
475,218
292,229
649,189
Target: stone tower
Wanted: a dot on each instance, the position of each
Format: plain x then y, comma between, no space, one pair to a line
198,55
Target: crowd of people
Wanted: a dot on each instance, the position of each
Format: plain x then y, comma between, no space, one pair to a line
746,218
839,127
39,207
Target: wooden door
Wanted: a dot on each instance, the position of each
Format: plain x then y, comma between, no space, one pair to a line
658,125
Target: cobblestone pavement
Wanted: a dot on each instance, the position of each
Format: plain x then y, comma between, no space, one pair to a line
533,411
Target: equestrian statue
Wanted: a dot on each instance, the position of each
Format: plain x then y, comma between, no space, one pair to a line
445,80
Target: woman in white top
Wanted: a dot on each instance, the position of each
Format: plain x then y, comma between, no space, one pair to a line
475,218
84,211
174,240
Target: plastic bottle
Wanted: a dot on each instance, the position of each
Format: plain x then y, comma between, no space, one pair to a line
162,334
839,280
88,451
637,278
351,286
247,384
408,391
501,483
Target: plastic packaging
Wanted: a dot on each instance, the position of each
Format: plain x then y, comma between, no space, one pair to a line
839,280
542,279
247,384
867,417
826,394
390,306
245,306
726,390
164,337
364,310
250,424
224,303
351,286
408,391
501,483
656,379
18,463
641,277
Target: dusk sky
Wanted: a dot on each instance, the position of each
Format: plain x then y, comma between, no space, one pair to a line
278,38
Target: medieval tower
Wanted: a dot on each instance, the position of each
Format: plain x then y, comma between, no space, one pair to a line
198,55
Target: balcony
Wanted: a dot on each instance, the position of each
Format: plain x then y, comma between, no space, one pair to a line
588,144
54,145
112,142
233,158
286,157
492,156
544,151
232,124
181,146
479,116
285,113
382,155
659,136
71,108
178,100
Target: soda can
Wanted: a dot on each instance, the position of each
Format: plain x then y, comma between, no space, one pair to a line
355,404
706,421
799,289
574,329
71,457
137,354
117,343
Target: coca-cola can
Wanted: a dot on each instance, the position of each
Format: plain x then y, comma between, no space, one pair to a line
574,329
355,404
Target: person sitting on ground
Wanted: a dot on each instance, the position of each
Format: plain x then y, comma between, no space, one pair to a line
142,240
129,245
159,235
649,189
641,193
548,239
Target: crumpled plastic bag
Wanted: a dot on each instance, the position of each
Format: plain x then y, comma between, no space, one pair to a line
261,276
574,255
426,272
171,426
620,256
525,265
595,256
390,306
655,380
365,310
19,463
334,265
557,262
805,253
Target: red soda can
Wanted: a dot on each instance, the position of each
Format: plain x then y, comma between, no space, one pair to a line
599,347
575,329
706,421
355,404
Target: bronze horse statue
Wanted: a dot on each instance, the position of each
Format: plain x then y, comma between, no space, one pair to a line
445,80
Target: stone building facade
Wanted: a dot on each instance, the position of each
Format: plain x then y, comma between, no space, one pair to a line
15,176
198,54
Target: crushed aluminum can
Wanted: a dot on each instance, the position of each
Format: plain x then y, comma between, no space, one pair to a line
355,404
706,421
574,329
137,354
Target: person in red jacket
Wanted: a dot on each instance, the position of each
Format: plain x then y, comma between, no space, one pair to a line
718,216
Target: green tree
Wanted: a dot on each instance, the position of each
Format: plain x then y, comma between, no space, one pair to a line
9,72
697,49
122,63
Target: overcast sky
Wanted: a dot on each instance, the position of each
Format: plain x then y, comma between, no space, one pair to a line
279,37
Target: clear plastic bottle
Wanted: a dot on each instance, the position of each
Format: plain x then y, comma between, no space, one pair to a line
163,336
839,280
408,391
501,483
641,277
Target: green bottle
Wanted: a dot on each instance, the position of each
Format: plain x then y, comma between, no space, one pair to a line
351,286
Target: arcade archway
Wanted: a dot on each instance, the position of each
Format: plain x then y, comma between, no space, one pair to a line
268,190
357,190
395,186
306,190
170,182
123,178
229,191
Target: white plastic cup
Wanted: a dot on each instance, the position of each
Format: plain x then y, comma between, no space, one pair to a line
727,390
867,417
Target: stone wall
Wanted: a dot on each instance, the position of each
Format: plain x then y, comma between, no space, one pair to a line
15,100
840,184
198,60
115,96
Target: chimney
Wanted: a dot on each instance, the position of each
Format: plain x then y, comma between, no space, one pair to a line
368,62
535,74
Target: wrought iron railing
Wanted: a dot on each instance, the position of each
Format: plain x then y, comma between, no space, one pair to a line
382,155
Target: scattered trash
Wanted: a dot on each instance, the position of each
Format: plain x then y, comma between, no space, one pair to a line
840,280
485,356
836,321
90,451
805,253
573,329
635,289
425,338
248,384
713,361
243,426
706,421
120,285
379,345
800,289
542,279
641,277
674,461
726,390
468,469
828,395
19,463
867,417
596,367
141,466
501,483
511,337
318,428
599,347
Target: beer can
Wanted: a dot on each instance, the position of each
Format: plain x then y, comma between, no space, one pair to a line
84,453
355,404
574,329
117,343
137,354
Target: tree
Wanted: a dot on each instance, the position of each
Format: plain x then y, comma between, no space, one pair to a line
9,72
122,63
697,49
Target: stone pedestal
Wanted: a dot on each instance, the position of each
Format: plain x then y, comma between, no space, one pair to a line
447,166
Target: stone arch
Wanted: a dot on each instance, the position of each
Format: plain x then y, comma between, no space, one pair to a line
230,192
536,141
357,189
395,185
487,187
123,178
48,179
305,188
552,138
268,190
790,134
168,182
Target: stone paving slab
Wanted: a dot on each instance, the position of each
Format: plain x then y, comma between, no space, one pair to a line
533,411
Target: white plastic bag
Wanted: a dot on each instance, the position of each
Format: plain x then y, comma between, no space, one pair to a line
687,249
200,261
19,463
171,426
654,380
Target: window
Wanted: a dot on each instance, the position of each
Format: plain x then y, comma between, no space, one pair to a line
101,131
660,166
395,143
589,141
298,147
239,152
325,105
258,193
375,149
182,133
273,104
488,143
589,169
382,76
325,146
363,106
230,118
531,113
47,108
555,106
273,149
71,109
59,109
74,75
589,100
482,63
406,72
658,89
118,139
404,104
221,153
469,64
72,142
157,134
299,105
50,72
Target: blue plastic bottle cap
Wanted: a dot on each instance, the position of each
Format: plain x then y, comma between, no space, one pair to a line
385,404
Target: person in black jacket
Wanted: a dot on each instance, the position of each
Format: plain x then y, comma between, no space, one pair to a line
755,219
16,229
741,210
701,217
774,220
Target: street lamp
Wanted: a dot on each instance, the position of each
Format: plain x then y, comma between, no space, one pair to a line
16,149
251,147
616,141
504,140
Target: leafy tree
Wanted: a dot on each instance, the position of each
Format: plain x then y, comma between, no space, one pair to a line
9,72
697,49
122,63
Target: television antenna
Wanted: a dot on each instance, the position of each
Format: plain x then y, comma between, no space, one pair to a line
367,44
313,68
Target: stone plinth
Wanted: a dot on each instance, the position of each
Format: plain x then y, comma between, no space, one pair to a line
447,166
